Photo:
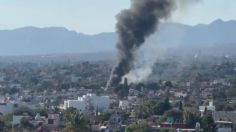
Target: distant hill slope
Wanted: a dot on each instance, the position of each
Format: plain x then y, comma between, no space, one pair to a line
32,40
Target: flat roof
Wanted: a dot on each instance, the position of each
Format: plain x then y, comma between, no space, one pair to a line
226,122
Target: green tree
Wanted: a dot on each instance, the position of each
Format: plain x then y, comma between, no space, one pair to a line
231,92
142,111
160,108
24,110
208,123
122,91
138,127
175,114
75,121
2,126
105,116
152,86
168,84
180,105
191,118
25,124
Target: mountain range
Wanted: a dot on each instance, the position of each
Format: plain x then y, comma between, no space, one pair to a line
53,40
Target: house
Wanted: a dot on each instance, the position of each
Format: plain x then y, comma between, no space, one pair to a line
78,104
132,98
124,104
210,108
206,95
224,126
38,119
180,94
225,121
53,120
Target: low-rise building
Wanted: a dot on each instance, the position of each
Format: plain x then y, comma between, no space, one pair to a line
225,121
210,108
53,120
124,104
97,102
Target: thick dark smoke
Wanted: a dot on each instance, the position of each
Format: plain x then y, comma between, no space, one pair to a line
133,27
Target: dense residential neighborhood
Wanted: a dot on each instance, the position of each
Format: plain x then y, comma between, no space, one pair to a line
71,96
117,66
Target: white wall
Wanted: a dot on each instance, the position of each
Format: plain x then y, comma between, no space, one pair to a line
6,108
98,102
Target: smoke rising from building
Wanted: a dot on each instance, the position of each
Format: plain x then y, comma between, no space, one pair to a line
133,27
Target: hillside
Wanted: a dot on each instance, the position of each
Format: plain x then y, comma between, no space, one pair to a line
53,40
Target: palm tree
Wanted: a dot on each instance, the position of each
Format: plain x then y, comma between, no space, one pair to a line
75,121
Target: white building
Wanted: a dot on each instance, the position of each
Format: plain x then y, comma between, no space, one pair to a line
124,104
80,105
180,94
210,108
98,102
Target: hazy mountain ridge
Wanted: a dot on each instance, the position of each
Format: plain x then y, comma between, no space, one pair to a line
32,40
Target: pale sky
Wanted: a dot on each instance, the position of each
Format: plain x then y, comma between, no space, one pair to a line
96,16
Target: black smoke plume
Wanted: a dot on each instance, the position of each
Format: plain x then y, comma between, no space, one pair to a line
133,27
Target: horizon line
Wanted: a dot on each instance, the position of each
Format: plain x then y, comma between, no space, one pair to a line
91,34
